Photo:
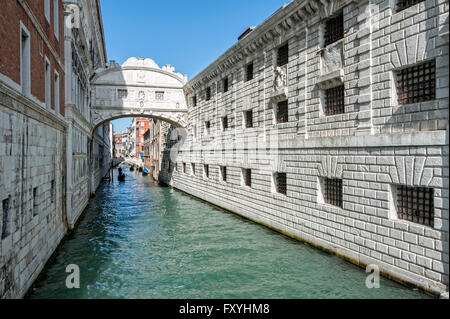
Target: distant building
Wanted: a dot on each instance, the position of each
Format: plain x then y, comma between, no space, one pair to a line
118,149
141,125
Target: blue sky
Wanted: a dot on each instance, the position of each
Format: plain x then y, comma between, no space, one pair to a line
188,35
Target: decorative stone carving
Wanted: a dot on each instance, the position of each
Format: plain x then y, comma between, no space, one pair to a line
280,85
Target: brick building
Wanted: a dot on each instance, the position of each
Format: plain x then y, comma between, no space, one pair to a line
141,125
50,160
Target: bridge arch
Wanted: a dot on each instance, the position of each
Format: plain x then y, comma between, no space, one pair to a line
138,88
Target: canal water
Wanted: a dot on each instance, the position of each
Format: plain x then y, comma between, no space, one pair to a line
140,240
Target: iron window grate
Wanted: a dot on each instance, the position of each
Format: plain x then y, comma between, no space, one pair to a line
283,55
194,100
248,177
403,4
249,73
334,101
193,168
281,183
334,29
249,119
224,173
206,170
333,191
184,168
282,112
225,85
225,123
415,204
417,83
208,93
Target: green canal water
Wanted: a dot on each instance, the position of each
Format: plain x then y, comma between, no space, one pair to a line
140,240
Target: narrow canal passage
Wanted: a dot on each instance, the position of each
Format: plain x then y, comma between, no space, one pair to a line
139,240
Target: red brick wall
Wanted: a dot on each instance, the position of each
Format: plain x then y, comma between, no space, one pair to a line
139,135
11,14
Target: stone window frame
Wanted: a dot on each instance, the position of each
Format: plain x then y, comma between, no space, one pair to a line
246,177
321,189
246,71
6,217
400,8
394,80
245,119
277,50
323,26
35,201
56,18
57,91
275,186
226,84
47,10
25,60
47,83
206,171
393,205
223,173
275,112
224,120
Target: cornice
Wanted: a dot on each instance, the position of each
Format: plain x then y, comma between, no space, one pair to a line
32,109
297,13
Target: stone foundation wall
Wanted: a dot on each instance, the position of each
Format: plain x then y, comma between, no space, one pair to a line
32,177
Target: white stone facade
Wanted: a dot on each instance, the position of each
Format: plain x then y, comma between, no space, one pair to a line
374,146
88,158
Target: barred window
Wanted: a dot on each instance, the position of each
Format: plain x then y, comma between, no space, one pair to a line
415,204
225,123
403,4
193,168
417,83
184,168
225,85
35,201
249,72
206,168
247,177
282,112
122,94
159,95
334,29
280,179
248,119
194,100
333,191
223,170
6,219
208,126
208,93
334,101
283,55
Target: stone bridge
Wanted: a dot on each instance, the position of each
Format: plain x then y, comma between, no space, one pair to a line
138,88
132,161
